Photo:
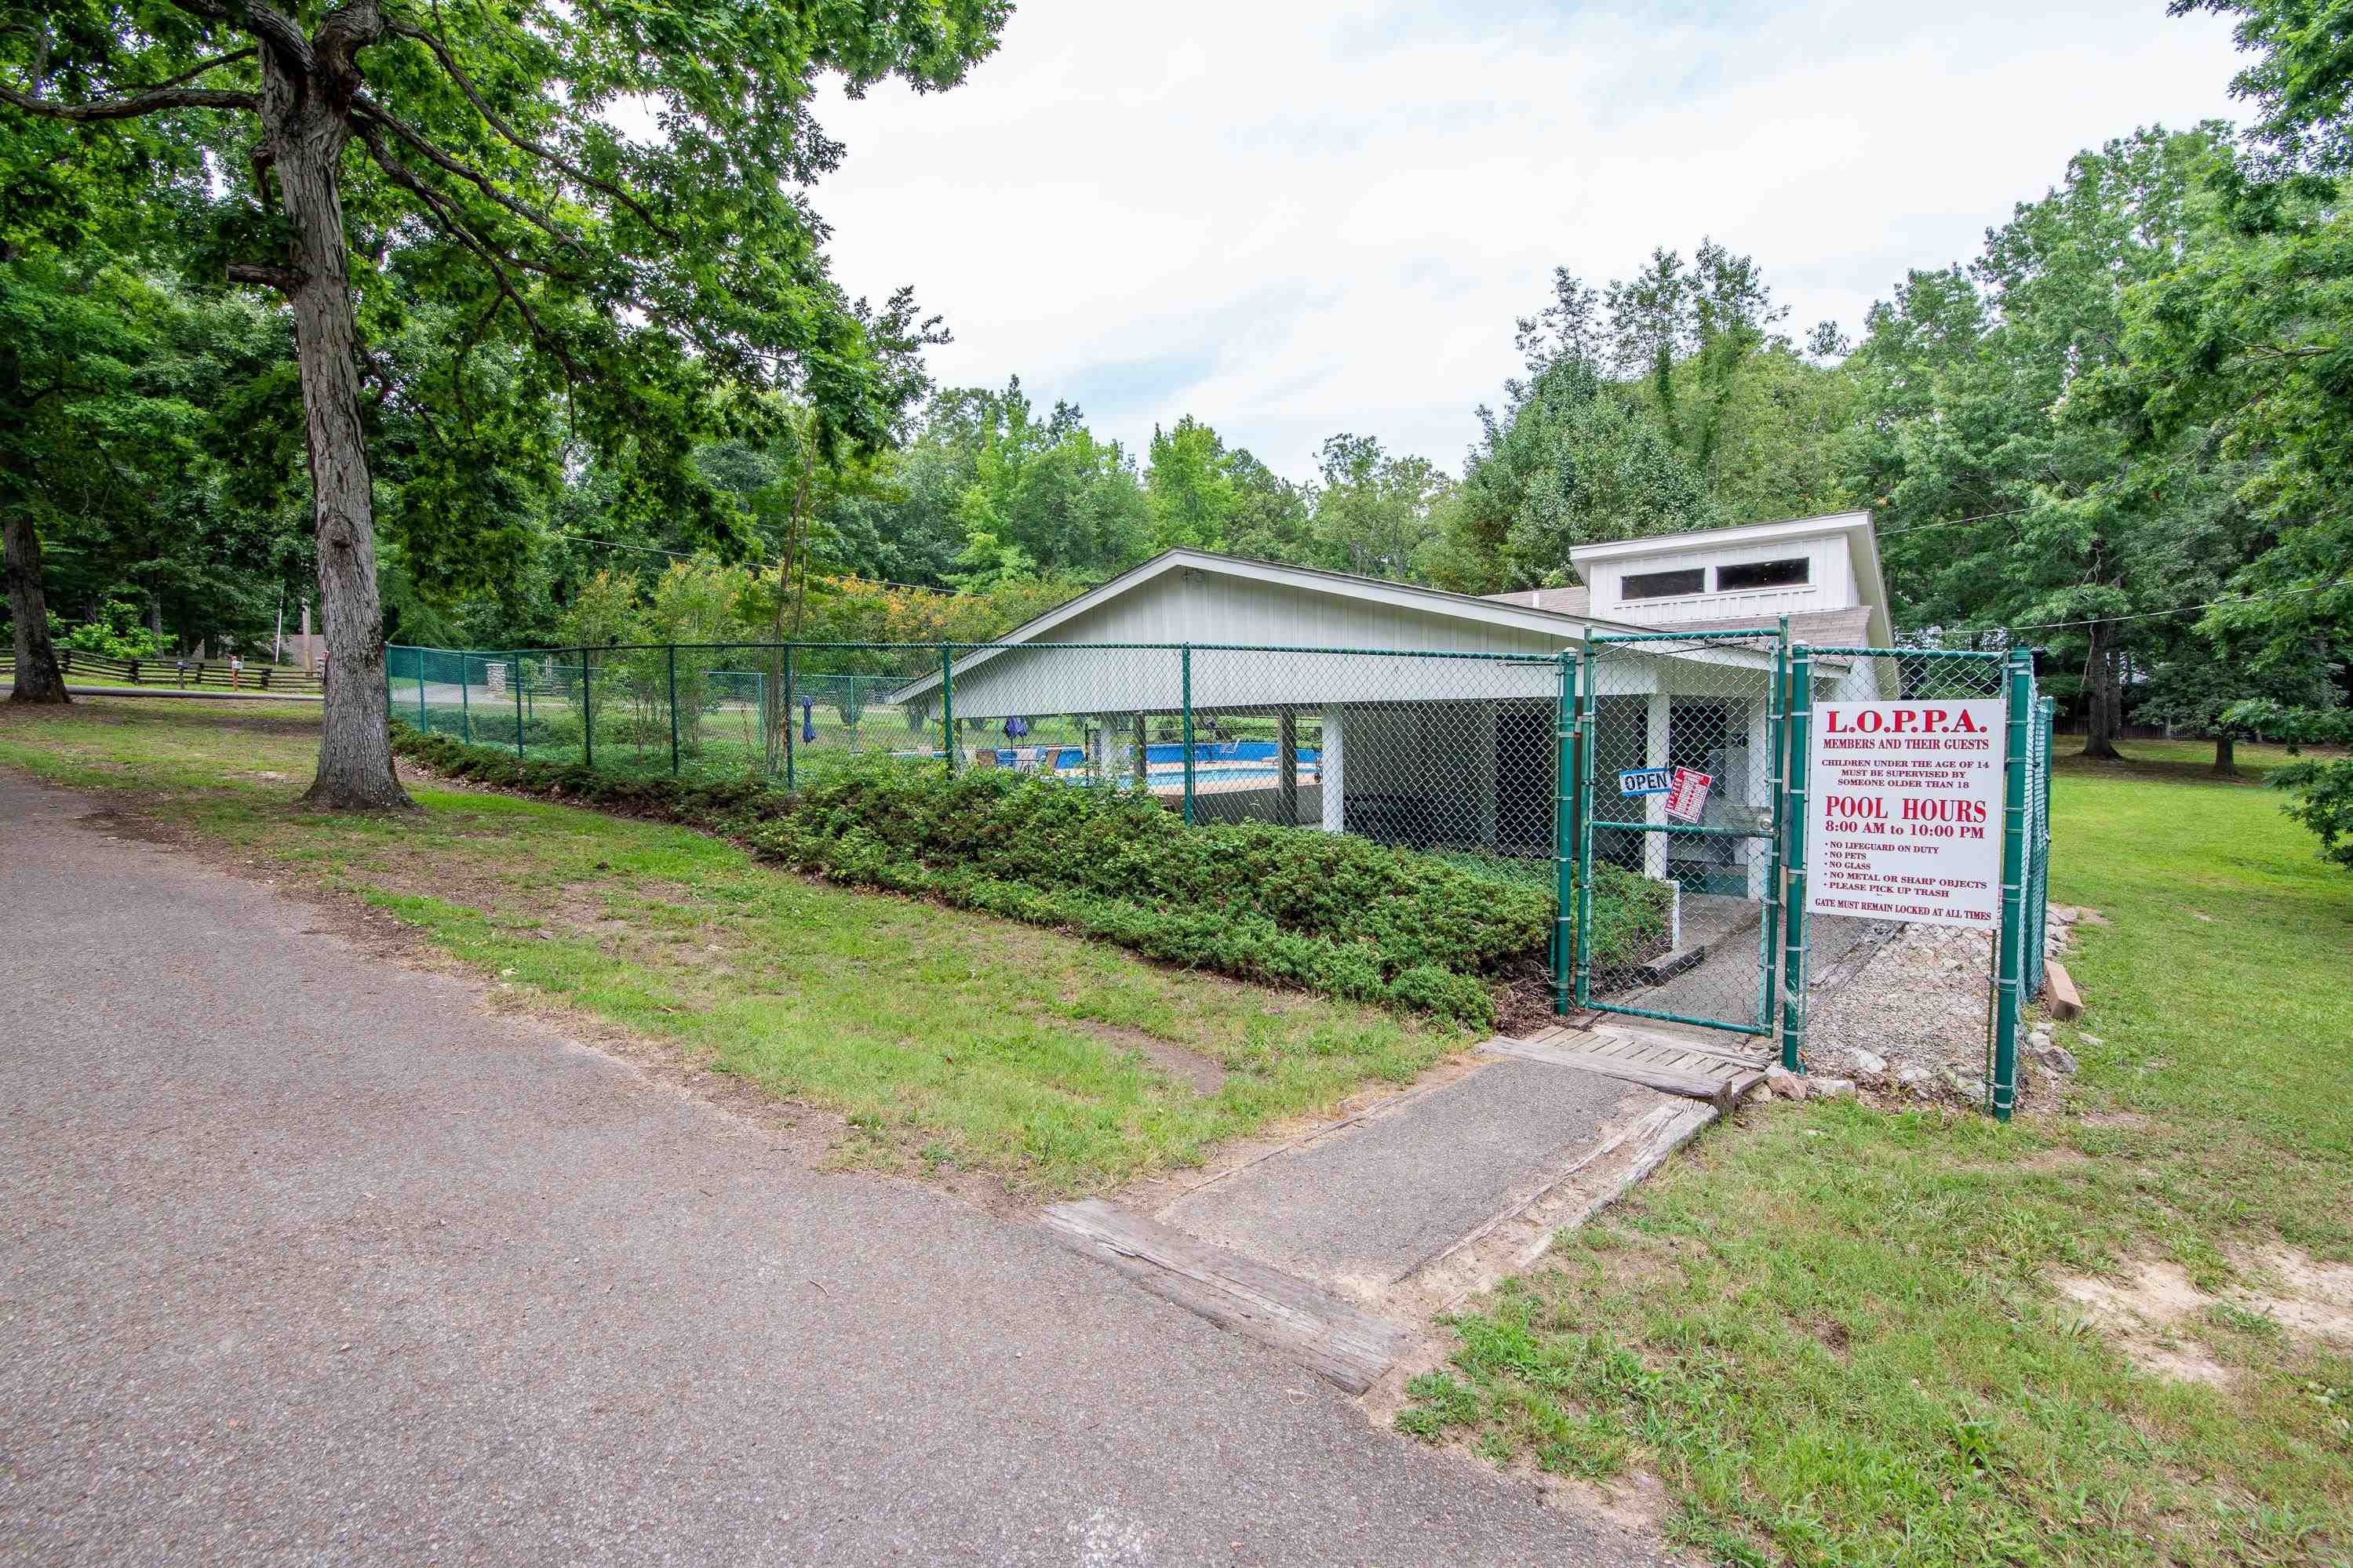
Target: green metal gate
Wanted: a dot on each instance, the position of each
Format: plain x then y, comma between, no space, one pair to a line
1682,744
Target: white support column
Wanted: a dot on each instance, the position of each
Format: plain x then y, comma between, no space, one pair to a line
1758,791
1654,807
1327,772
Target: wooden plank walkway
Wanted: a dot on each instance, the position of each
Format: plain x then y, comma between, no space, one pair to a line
1662,1061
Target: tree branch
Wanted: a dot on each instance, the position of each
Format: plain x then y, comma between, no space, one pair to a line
283,279
191,75
453,223
279,33
131,108
488,188
348,28
465,84
262,158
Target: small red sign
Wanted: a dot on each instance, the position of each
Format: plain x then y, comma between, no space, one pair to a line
1687,795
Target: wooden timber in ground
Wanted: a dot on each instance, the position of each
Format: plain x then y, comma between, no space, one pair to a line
1341,1342
2059,993
1662,1062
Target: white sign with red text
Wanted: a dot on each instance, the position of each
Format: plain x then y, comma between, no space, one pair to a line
1904,812
1687,795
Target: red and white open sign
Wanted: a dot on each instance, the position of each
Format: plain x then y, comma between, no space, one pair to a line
1687,795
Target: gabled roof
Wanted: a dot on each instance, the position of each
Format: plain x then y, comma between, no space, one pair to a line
1467,607
1824,628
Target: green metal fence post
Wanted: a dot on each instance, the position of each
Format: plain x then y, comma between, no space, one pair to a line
465,704
1589,737
514,673
1793,862
387,679
2038,859
785,706
1563,828
2002,1091
1186,656
423,722
1778,737
588,716
947,700
673,709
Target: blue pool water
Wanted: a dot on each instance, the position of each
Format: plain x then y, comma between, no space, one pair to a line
1168,762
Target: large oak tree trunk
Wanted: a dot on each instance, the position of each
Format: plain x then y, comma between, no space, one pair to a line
37,680
2226,754
304,135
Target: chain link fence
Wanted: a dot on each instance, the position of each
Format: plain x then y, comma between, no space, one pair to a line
1653,783
1681,738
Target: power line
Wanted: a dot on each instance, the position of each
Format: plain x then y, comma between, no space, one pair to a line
645,549
1947,522
1952,522
2176,610
2187,609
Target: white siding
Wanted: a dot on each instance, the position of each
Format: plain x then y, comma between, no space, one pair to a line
1202,607
1832,585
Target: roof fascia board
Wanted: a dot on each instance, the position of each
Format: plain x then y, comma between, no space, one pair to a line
1403,595
1713,538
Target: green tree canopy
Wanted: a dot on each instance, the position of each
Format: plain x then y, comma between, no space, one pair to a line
1572,458
490,174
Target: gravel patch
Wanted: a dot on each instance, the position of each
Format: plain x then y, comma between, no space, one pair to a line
1912,1021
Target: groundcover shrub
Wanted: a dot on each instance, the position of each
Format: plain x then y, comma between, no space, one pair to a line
728,804
1631,913
1331,913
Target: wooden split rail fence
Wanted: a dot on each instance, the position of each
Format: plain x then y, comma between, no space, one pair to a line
90,668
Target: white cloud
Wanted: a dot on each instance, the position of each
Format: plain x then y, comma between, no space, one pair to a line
1290,224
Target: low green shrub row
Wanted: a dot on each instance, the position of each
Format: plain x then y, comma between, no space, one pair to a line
1332,913
1247,946
1410,908
730,805
1631,913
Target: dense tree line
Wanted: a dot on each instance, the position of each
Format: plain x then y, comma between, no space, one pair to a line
573,363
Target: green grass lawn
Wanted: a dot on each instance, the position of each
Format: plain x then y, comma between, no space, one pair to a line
952,1041
1834,1333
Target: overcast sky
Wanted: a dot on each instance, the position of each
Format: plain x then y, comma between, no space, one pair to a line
1293,220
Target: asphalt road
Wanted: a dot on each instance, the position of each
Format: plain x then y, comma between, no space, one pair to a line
305,1255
